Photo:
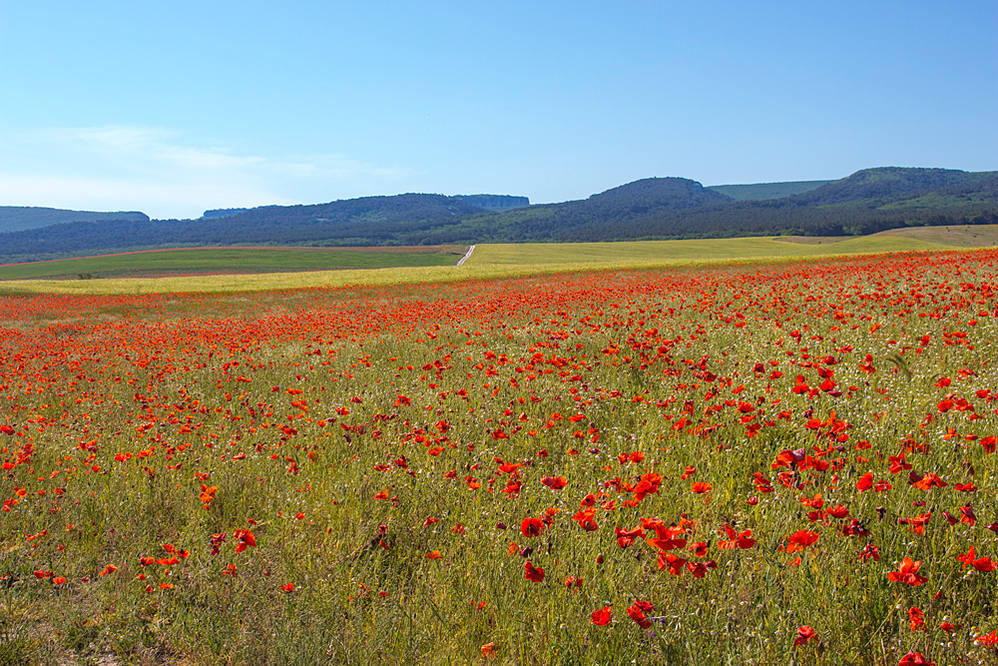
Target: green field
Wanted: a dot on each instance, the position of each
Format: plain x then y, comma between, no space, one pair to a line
155,263
401,265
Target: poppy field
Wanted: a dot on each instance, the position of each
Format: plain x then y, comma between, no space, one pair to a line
742,464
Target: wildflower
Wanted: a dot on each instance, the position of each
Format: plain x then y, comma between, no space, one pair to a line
533,573
805,634
601,616
531,527
907,573
637,611
246,540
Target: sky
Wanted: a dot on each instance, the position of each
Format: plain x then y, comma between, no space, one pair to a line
173,108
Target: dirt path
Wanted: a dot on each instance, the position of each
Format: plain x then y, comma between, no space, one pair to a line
465,257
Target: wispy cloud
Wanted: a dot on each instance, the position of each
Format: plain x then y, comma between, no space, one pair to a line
166,174
150,144
162,199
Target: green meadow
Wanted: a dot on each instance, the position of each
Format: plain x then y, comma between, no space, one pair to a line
233,260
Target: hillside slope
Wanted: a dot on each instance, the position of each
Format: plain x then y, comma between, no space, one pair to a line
330,223
761,191
19,218
865,202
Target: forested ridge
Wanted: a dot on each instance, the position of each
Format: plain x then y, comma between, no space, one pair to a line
865,202
19,218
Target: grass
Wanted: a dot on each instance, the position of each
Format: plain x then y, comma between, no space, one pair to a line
952,236
652,252
359,433
512,260
978,235
233,260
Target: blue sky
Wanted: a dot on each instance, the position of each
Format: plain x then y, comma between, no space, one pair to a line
172,108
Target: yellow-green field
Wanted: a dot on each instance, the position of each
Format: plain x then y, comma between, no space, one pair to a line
655,252
508,260
978,235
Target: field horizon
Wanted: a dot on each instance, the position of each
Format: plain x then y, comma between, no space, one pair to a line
261,267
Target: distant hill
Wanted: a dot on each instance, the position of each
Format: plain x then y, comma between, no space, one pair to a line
865,202
214,213
650,194
346,209
493,201
18,218
601,213
760,191
405,219
314,219
344,222
889,182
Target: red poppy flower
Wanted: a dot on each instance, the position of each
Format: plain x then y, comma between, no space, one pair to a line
907,573
533,573
984,564
637,613
915,659
804,635
246,540
673,562
801,539
554,482
601,617
531,527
